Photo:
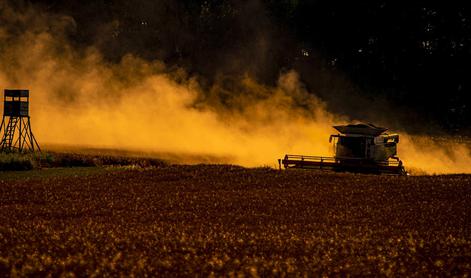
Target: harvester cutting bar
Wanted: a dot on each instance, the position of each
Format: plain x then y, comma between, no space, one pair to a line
308,162
338,164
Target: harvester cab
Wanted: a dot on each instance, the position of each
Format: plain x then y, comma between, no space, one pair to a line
357,148
364,142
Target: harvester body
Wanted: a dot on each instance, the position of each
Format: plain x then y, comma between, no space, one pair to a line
357,148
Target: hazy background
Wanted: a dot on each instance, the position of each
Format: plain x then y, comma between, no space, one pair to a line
408,60
245,80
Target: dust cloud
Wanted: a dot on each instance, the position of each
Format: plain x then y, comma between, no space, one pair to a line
78,98
424,155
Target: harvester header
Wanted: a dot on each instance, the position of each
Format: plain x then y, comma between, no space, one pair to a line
362,148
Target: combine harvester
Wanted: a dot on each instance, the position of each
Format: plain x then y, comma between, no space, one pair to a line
361,148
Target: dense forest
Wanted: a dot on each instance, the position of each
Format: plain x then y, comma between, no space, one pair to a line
409,60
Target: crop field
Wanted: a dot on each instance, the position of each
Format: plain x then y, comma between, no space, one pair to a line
227,220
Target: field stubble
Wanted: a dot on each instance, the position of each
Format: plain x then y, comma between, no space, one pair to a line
202,219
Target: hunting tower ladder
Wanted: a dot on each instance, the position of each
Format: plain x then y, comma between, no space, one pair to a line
15,129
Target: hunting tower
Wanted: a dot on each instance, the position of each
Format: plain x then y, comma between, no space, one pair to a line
15,129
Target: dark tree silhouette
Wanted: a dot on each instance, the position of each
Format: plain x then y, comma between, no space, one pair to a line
411,57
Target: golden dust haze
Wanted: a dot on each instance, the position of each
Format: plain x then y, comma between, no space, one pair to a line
77,98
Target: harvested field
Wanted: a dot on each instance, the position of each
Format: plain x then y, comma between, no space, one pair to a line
201,219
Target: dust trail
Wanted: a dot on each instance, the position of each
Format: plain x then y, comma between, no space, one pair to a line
425,155
77,98
80,99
